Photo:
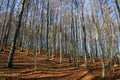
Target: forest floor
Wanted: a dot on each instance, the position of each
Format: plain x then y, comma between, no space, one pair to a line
23,68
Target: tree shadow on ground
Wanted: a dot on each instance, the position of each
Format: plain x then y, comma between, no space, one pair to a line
106,78
35,78
82,76
28,66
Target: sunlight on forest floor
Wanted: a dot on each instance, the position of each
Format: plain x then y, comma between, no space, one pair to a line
23,68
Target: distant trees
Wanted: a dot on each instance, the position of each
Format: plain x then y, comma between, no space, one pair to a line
3,25
81,29
8,25
118,31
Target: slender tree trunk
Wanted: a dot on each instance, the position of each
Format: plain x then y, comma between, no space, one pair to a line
60,35
35,53
47,54
85,45
42,22
10,58
103,63
27,48
53,43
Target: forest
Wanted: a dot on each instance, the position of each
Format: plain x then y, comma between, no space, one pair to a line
60,39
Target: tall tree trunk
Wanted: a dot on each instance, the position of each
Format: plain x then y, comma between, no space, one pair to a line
84,31
10,58
42,22
47,37
60,33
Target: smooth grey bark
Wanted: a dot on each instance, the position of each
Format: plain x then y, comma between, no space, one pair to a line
60,34
61,57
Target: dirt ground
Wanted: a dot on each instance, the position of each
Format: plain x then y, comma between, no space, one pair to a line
23,68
